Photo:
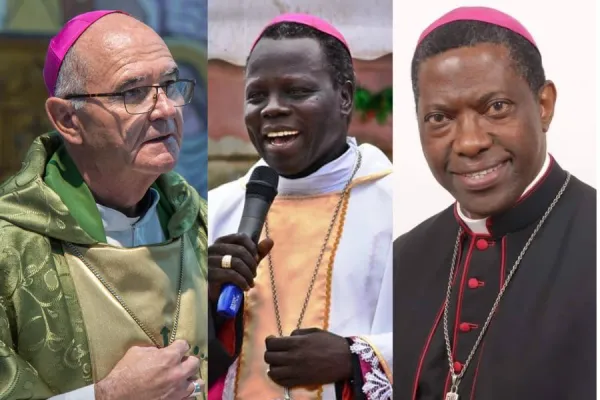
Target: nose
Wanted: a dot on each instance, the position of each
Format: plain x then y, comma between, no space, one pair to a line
471,138
274,108
164,107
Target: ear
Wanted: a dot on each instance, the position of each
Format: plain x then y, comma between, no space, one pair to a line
347,97
547,101
64,119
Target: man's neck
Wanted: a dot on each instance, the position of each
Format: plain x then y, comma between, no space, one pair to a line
122,192
127,198
326,159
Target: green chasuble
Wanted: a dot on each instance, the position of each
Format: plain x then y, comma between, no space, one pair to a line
45,346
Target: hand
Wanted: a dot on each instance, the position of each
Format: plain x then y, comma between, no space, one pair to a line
310,357
245,258
152,373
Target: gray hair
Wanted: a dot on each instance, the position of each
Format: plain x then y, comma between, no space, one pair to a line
72,76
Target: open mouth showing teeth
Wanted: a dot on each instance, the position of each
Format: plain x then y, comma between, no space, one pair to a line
279,138
481,174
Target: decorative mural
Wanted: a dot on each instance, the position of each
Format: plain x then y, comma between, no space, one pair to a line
26,27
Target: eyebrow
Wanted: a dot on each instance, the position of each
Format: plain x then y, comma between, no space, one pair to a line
480,100
171,71
136,79
129,82
489,96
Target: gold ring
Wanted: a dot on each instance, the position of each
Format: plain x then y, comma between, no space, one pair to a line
226,261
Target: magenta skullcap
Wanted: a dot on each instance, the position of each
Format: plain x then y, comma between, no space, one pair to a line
308,20
64,40
483,14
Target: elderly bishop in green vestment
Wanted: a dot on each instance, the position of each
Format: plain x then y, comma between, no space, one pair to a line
102,247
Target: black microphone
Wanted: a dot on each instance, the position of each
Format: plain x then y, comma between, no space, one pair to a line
261,190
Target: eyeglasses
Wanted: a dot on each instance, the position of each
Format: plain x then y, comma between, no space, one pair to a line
142,100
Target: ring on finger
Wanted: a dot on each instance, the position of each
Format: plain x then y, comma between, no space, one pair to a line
197,389
226,261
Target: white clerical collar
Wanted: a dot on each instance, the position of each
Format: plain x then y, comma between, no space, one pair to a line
479,226
115,221
329,178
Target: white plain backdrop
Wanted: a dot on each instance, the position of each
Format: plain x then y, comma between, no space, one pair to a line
566,35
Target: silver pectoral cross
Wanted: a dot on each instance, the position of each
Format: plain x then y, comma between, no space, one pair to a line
453,393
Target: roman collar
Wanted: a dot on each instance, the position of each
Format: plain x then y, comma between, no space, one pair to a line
529,209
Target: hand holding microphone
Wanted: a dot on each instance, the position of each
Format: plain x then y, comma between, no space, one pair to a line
245,257
233,259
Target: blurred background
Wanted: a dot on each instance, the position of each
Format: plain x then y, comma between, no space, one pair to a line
233,26
26,27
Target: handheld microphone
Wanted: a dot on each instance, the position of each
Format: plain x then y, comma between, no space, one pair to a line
261,190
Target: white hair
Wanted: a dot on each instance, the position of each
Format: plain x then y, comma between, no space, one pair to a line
72,77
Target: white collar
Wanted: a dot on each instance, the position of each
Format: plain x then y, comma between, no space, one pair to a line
115,221
331,177
479,226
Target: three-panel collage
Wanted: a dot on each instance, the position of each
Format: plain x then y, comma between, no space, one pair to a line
298,200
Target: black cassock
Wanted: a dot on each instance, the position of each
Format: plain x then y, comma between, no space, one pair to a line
541,343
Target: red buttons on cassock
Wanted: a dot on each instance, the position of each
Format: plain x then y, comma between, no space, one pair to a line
482,244
474,283
467,326
457,367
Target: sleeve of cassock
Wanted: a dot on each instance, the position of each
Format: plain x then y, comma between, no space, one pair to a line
224,344
373,351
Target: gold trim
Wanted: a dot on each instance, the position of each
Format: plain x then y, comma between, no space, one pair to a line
330,270
371,177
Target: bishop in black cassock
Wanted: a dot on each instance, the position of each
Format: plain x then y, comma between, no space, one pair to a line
497,293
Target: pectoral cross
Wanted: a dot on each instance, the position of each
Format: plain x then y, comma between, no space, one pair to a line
453,393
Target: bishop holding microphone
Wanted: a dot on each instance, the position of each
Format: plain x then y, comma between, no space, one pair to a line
299,260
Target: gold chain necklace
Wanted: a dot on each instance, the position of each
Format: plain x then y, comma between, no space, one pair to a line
345,193
166,340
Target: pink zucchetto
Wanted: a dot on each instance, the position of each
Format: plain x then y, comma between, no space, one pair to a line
308,20
482,14
64,40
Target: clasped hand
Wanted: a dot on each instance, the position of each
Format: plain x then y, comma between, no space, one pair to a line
309,357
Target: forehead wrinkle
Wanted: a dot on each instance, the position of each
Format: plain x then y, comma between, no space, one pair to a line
126,60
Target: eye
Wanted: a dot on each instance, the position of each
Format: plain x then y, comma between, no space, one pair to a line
436,118
498,108
136,94
299,91
255,96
